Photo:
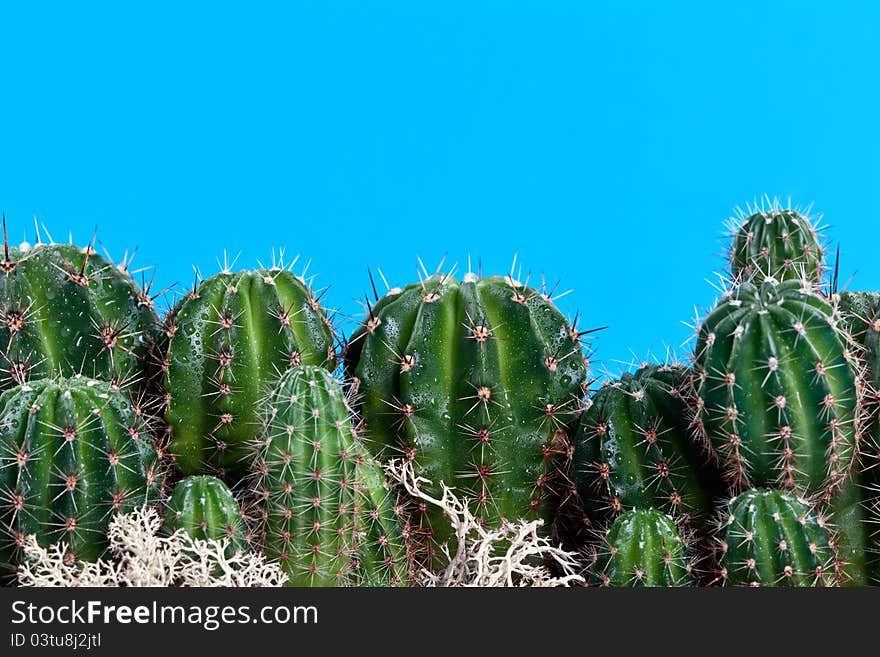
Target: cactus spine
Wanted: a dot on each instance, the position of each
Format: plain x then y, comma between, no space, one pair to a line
204,507
66,310
328,516
779,243
634,449
772,538
74,451
228,342
643,548
478,383
779,387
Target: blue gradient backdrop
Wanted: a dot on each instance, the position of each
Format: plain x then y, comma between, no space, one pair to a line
605,142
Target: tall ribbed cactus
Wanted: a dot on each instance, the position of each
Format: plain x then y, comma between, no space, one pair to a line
479,384
642,548
772,538
73,452
205,508
229,340
776,242
634,448
329,517
65,310
780,387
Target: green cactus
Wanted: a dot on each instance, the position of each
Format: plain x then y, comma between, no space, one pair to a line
642,548
479,384
328,515
73,452
204,507
777,242
228,342
634,447
65,310
772,538
779,388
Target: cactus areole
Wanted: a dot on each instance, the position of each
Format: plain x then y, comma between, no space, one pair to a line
74,452
479,384
229,340
780,388
65,310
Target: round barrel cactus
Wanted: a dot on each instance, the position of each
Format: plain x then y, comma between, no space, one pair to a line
479,384
642,548
780,387
777,243
773,538
74,451
65,310
328,515
228,342
204,507
634,447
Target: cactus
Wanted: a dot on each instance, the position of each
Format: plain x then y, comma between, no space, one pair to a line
643,548
204,507
73,452
633,448
478,383
228,342
773,538
328,516
776,242
66,310
779,388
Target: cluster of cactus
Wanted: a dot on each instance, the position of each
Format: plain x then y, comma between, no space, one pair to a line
753,465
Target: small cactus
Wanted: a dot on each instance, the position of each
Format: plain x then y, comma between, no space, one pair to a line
73,452
328,515
66,310
778,243
479,384
228,342
773,538
779,388
634,448
204,507
643,548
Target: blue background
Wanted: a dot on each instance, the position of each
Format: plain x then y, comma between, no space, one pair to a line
605,142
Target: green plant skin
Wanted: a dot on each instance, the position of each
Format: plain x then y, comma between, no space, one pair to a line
634,447
779,388
479,383
329,516
228,342
74,452
642,548
772,538
65,310
782,244
205,508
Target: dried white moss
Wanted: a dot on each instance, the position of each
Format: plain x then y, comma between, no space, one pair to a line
513,554
139,556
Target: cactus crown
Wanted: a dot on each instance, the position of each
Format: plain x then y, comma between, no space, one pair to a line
205,508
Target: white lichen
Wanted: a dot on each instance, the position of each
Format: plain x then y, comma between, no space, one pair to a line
139,556
514,554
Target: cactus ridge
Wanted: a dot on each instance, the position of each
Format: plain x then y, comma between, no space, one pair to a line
634,447
205,508
777,242
66,310
773,538
479,384
327,514
643,548
780,388
228,342
74,451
